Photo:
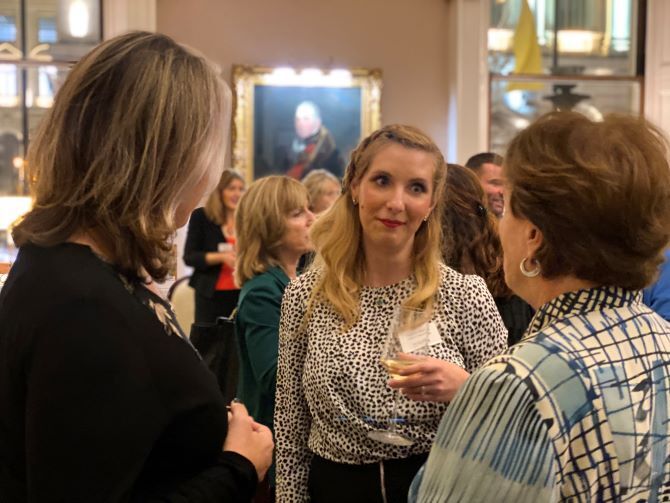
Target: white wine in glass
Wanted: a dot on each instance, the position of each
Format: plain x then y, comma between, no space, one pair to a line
408,334
394,365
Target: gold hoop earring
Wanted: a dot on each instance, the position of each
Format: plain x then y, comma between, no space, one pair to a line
526,272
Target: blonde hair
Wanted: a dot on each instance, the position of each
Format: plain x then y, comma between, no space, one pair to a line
337,235
138,124
315,181
215,210
260,223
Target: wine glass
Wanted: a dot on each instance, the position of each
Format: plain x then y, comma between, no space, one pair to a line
407,335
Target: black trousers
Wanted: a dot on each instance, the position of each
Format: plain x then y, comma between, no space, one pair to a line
339,482
222,303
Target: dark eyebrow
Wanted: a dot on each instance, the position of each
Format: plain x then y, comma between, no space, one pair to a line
379,171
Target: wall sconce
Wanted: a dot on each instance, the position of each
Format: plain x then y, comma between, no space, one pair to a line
78,24
78,18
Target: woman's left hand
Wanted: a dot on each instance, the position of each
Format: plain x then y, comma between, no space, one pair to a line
430,379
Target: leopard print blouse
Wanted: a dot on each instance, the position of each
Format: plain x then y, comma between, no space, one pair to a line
331,386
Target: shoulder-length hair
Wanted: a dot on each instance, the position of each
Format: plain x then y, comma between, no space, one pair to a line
138,124
337,235
215,210
315,181
598,191
260,223
470,242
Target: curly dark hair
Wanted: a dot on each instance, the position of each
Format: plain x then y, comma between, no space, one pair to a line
470,243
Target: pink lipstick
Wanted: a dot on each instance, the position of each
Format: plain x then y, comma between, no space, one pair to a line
391,224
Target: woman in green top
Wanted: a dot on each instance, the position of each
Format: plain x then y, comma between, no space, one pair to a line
272,226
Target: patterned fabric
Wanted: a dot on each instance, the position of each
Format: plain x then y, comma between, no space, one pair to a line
578,411
160,307
332,389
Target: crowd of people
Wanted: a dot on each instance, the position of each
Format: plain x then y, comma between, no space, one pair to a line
534,372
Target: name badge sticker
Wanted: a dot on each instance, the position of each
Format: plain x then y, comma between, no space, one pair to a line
434,336
422,337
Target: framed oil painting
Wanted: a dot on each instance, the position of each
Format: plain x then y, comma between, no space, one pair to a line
293,122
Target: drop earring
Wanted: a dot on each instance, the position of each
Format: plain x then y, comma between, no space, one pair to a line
526,272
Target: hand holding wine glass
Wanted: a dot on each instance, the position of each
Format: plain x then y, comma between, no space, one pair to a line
428,379
407,338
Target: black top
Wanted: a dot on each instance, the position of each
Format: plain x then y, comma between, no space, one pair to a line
203,236
102,398
516,315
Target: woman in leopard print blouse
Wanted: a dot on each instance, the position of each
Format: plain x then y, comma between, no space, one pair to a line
378,247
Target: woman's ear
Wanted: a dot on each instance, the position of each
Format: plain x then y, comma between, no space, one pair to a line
354,191
430,212
534,239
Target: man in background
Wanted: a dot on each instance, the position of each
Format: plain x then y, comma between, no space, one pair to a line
314,146
488,167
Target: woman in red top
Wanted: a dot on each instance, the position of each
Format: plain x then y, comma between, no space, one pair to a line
210,250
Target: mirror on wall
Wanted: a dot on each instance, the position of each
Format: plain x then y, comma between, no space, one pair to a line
562,54
518,101
39,41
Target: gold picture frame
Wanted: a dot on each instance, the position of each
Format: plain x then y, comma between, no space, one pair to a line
265,136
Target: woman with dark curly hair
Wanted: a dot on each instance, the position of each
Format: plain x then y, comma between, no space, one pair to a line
471,245
579,409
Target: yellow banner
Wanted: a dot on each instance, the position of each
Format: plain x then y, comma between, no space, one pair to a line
527,53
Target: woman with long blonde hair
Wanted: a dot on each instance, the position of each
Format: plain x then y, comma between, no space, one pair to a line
210,249
102,395
377,248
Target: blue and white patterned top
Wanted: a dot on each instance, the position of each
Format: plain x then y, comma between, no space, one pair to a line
577,411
